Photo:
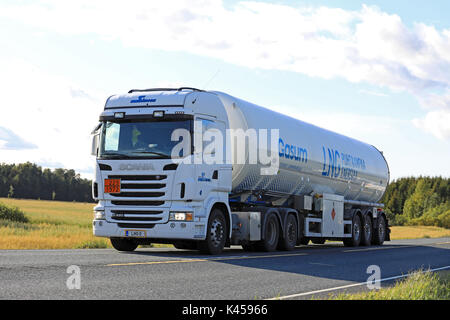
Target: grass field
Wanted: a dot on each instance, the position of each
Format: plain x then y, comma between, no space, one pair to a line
418,286
67,225
52,225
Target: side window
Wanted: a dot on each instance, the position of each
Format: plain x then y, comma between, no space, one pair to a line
213,139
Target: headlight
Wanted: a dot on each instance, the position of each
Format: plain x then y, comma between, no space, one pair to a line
99,214
181,216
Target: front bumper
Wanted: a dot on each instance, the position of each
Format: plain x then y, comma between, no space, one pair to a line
171,230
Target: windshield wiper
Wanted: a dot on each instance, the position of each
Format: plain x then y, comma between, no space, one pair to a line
117,155
163,155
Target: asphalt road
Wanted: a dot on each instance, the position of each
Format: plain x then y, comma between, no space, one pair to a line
161,273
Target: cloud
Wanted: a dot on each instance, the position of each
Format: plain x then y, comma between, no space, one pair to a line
436,123
365,45
11,141
49,123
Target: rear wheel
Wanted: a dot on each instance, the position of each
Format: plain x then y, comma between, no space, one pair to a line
122,244
271,234
366,239
216,233
356,233
379,234
289,239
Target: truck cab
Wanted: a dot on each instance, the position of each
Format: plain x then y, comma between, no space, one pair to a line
149,184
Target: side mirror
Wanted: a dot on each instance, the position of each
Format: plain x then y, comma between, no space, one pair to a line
95,139
94,147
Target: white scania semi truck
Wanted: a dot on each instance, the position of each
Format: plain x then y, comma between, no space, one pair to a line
325,186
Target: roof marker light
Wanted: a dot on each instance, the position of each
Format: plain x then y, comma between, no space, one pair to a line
158,114
119,115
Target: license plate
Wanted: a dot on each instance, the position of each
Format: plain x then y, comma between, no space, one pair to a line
135,233
112,185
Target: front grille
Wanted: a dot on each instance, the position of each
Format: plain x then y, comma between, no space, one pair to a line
136,212
136,225
136,215
154,177
142,185
133,204
138,194
133,186
136,203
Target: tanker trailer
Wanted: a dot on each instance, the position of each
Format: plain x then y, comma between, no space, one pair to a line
205,170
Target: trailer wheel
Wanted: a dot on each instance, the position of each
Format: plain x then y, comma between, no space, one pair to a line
289,239
379,234
216,233
366,234
122,244
271,234
356,233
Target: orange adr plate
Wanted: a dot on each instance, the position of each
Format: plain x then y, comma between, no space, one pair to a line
112,185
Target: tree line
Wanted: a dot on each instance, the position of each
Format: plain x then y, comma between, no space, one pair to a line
408,201
30,181
418,201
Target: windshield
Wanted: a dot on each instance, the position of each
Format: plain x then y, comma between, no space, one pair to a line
140,139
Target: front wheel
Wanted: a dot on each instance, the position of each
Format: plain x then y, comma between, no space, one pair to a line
216,233
122,244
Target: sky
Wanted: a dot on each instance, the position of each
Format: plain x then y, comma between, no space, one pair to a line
377,71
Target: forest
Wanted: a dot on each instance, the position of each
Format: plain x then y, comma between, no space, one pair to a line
418,201
30,181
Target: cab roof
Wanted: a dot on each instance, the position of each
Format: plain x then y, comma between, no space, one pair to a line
150,98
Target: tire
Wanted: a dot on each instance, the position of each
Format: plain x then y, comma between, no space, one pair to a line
318,241
380,231
122,244
216,233
289,239
366,234
271,235
356,233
